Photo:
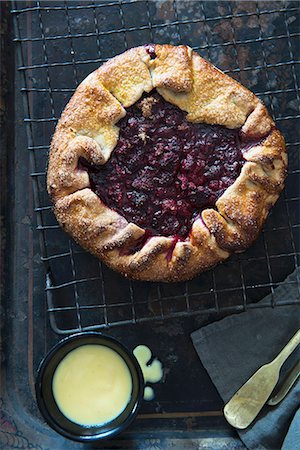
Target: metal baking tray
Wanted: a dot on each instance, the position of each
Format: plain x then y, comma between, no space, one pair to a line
53,287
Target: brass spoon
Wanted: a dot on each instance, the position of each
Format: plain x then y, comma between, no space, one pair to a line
246,403
286,385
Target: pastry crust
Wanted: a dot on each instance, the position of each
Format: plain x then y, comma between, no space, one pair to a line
88,128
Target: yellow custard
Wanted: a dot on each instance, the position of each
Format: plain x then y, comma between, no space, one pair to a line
152,373
148,393
92,385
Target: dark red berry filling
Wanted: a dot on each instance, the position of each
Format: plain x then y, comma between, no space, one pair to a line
165,170
150,49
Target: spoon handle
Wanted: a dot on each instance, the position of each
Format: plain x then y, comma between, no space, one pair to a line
287,384
287,350
246,403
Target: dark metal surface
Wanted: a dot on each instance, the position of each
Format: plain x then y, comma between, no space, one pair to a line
61,43
57,45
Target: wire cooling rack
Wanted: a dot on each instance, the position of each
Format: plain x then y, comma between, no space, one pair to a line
59,44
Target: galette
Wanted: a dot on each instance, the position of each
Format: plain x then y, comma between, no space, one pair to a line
162,166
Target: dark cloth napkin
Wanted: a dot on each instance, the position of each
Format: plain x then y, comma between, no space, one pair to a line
233,348
292,440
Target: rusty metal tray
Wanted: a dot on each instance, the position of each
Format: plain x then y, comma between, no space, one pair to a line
52,287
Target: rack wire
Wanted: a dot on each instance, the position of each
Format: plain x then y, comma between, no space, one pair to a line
58,44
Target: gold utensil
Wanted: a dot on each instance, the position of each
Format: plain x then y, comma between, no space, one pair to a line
286,385
246,403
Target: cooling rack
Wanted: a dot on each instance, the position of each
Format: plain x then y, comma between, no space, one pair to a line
58,45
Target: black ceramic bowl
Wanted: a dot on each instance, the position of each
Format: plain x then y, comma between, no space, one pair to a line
49,408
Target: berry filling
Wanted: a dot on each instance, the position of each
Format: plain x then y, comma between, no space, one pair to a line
165,170
150,49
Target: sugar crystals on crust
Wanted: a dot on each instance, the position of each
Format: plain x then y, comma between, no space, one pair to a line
209,214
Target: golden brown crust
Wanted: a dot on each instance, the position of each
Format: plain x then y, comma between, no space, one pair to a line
214,98
172,68
258,123
88,128
244,206
105,233
126,76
